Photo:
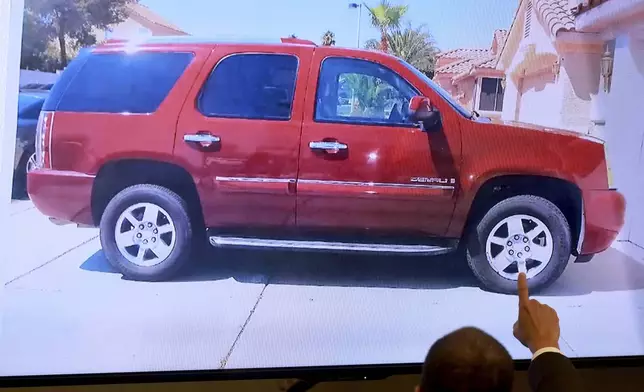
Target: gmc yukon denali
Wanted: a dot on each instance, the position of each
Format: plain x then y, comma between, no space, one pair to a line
169,143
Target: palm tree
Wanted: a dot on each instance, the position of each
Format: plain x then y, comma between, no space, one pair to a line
328,39
366,92
386,17
372,44
416,46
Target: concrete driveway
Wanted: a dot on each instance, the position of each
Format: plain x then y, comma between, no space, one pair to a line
66,311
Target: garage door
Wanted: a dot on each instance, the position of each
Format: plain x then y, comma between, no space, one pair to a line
625,134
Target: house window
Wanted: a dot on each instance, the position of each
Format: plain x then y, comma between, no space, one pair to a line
491,97
528,19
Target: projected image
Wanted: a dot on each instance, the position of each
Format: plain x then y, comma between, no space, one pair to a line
207,185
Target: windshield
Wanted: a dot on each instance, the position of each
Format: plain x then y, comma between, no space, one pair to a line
439,90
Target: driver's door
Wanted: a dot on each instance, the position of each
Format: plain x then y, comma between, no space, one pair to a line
363,165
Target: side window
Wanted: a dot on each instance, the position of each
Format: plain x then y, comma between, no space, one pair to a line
360,91
123,82
250,86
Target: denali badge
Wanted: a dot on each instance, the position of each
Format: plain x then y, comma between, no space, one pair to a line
433,180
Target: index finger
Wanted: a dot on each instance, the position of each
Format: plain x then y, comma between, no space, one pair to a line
522,286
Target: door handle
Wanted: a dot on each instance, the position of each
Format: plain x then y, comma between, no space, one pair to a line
331,147
201,138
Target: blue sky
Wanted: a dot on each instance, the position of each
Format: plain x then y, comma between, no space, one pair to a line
453,23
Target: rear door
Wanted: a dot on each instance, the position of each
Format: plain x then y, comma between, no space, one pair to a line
363,164
239,134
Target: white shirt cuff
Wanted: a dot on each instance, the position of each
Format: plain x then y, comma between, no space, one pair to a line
546,350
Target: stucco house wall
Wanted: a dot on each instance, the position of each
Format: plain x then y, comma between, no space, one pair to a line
465,92
532,94
540,100
537,92
580,72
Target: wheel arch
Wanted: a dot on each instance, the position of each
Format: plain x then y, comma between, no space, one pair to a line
116,175
562,193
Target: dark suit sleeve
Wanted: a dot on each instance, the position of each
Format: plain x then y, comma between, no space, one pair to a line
553,372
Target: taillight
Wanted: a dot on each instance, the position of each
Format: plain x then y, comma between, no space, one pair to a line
43,136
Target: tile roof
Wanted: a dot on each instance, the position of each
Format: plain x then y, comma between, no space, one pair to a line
468,59
490,62
456,67
465,66
555,14
463,53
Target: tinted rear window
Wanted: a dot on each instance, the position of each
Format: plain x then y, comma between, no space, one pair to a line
123,83
251,86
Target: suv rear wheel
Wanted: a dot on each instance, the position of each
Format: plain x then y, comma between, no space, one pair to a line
520,234
146,232
25,165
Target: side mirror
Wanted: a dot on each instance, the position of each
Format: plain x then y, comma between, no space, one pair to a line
424,114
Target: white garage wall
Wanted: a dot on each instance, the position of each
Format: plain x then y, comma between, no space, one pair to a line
624,132
541,100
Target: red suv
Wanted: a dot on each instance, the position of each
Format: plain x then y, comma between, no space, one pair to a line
171,141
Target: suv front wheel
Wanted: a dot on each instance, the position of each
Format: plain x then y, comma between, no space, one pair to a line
146,232
520,234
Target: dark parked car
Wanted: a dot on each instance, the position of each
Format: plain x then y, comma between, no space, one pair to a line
36,87
29,105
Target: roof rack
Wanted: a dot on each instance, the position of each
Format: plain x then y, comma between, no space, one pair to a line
291,40
204,40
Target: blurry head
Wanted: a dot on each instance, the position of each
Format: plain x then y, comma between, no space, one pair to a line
467,360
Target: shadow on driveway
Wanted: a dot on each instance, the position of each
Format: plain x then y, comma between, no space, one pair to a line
319,269
609,271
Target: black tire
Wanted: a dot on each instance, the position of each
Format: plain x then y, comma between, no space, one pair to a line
174,205
534,206
19,188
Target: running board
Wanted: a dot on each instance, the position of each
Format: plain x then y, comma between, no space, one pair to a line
226,241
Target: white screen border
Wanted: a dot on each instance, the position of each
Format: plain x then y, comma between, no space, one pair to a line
11,15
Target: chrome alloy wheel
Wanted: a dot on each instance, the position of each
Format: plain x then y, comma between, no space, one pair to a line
31,163
519,243
145,234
